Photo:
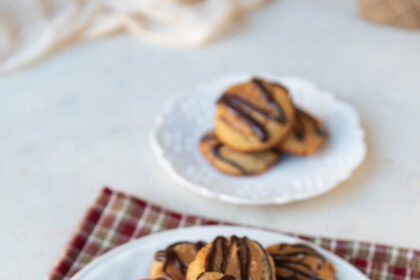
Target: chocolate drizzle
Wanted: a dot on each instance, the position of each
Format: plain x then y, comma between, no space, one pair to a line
281,117
266,259
198,245
170,256
221,242
244,256
292,262
242,107
227,277
215,150
299,129
216,153
221,252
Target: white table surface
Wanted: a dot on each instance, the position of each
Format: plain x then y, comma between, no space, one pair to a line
80,119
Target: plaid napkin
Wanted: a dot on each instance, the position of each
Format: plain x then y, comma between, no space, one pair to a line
116,218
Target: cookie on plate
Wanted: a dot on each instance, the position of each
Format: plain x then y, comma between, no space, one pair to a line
233,162
254,116
242,258
172,263
307,136
300,262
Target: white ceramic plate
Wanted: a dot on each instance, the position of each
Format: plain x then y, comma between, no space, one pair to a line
179,127
132,260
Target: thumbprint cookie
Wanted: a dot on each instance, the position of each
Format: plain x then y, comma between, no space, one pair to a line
242,258
172,263
254,116
233,162
307,135
300,262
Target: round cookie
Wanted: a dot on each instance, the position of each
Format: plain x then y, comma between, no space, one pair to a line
172,263
242,258
215,276
300,262
254,116
307,135
233,162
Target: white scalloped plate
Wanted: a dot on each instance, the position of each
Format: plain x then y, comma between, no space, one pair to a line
132,261
179,127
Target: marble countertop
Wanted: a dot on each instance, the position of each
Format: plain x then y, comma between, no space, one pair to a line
79,121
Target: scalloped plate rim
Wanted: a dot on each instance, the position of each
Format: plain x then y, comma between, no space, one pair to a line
89,270
159,151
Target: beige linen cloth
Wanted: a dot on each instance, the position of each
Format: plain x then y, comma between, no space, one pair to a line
32,29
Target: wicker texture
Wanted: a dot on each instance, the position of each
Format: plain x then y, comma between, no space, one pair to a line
399,13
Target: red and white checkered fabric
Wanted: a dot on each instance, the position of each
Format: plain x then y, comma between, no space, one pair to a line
116,218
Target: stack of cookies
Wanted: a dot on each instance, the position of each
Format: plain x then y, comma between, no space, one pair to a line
235,258
255,122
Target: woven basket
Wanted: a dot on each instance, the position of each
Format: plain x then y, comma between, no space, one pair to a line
400,13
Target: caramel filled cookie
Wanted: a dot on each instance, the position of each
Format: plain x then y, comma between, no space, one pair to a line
215,276
300,262
242,258
307,135
254,116
172,263
233,162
